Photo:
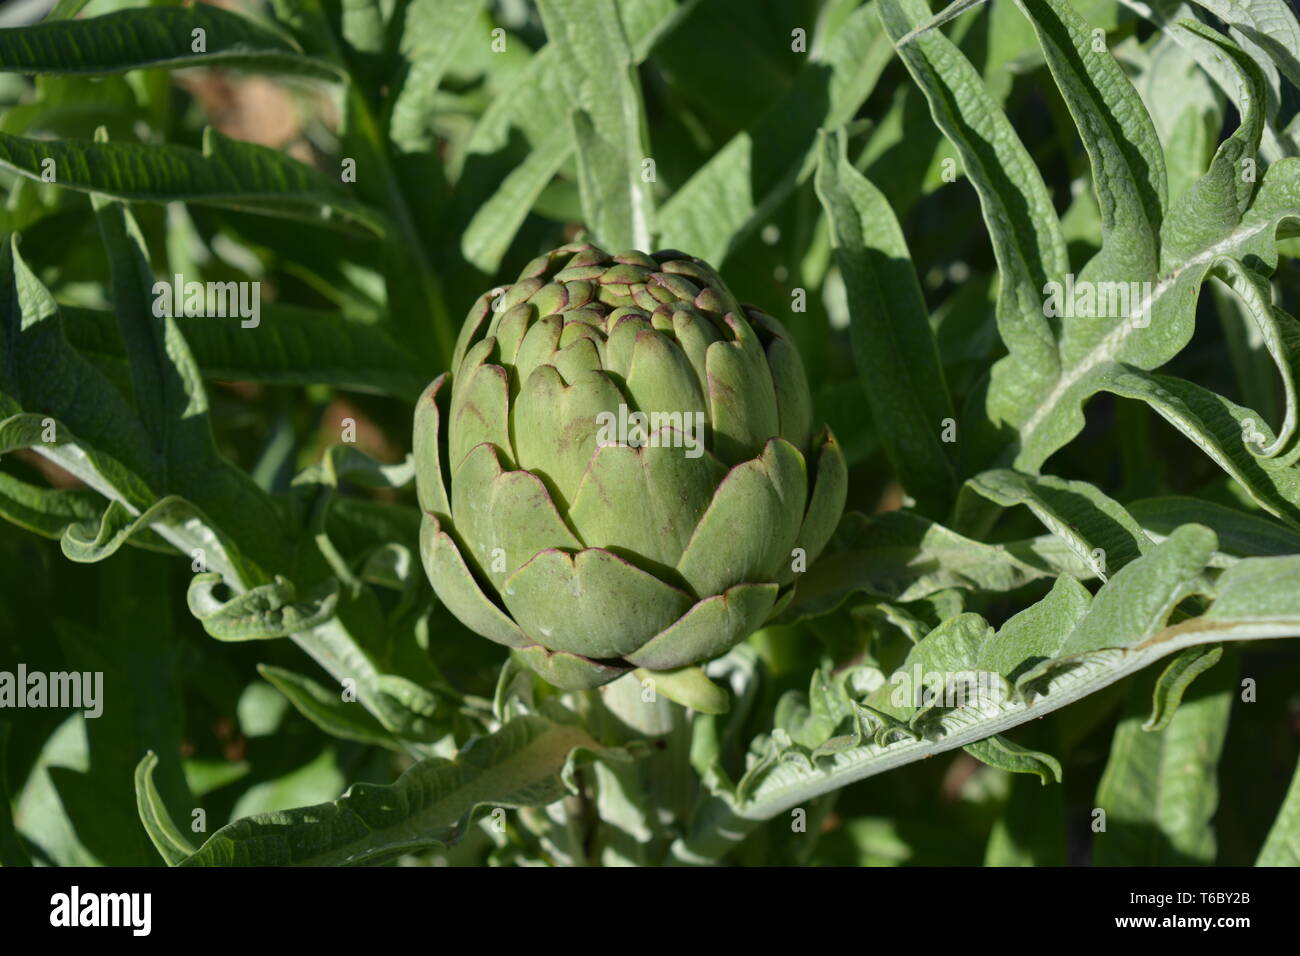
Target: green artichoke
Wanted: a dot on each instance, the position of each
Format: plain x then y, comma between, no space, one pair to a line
625,472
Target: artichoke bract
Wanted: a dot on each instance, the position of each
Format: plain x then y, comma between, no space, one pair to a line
621,469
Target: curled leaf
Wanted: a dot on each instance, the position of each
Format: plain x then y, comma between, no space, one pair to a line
266,611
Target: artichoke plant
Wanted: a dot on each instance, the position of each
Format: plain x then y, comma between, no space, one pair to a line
621,470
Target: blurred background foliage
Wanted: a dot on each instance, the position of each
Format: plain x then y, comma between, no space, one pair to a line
721,70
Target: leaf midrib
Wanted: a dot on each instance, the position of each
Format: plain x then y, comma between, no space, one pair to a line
1108,348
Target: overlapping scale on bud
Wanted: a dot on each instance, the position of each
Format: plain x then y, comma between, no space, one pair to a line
621,469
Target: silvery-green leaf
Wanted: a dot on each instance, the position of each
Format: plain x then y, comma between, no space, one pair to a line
731,194
1159,790
893,344
431,33
12,851
431,805
260,613
1123,629
605,117
327,709
1282,848
167,837
1007,755
1174,680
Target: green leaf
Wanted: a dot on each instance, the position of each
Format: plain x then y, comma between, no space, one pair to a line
1269,23
167,838
66,9
1127,162
352,648
1161,254
1159,790
416,307
524,764
362,26
131,463
1018,210
903,557
893,344
163,374
94,540
605,117
327,709
318,779
173,406
1220,427
741,185
1129,178
1172,16
1267,30
496,189
1181,100
998,751
154,37
12,851
432,31
227,173
1040,625
348,463
289,346
536,104
260,613
133,652
55,379
46,511
948,13
384,660
1031,829
1051,658
70,105
39,815
496,221
1282,848
1239,533
1252,364
172,519
1094,527
1174,681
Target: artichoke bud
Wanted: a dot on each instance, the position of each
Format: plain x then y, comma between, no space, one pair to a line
621,469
